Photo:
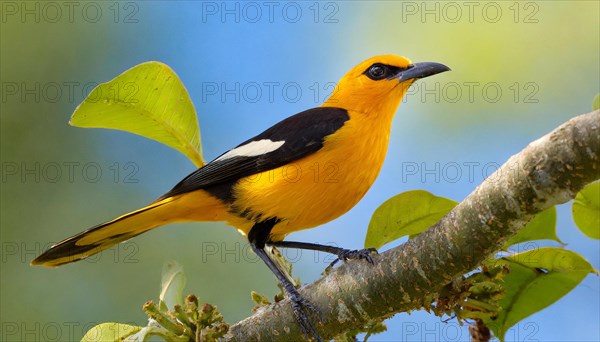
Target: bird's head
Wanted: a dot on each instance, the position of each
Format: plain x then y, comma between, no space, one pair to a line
377,85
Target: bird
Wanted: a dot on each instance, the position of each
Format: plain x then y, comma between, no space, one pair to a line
266,187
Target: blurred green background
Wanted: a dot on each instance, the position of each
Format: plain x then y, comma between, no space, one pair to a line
519,70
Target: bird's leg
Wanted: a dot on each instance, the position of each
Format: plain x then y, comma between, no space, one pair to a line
342,253
258,236
298,302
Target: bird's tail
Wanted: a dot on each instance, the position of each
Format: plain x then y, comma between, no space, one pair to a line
105,235
196,207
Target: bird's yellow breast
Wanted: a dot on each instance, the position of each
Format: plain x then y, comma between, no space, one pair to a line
320,187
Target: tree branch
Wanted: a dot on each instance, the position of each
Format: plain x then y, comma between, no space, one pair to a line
550,171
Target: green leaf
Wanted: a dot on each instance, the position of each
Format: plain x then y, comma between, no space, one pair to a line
541,227
172,284
537,278
149,100
596,102
586,210
259,299
110,332
408,213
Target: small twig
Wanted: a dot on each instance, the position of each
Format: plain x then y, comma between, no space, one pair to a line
479,331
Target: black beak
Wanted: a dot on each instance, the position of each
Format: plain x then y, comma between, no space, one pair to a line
421,70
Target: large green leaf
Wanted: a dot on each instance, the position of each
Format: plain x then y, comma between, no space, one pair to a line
537,278
149,100
541,227
586,210
108,332
408,213
596,102
172,285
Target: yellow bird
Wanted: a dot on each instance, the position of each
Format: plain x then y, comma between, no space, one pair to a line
303,172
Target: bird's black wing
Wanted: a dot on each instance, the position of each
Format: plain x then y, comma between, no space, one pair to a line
291,139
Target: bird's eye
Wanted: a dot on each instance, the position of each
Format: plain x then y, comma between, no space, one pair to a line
377,72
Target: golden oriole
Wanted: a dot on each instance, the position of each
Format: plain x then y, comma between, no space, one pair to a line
258,186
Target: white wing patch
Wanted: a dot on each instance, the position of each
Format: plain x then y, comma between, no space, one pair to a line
252,149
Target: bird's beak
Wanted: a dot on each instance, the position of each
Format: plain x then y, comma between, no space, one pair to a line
421,70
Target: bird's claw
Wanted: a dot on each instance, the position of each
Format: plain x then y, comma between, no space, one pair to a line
298,305
356,254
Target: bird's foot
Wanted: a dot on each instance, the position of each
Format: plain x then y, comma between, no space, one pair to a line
299,305
356,254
